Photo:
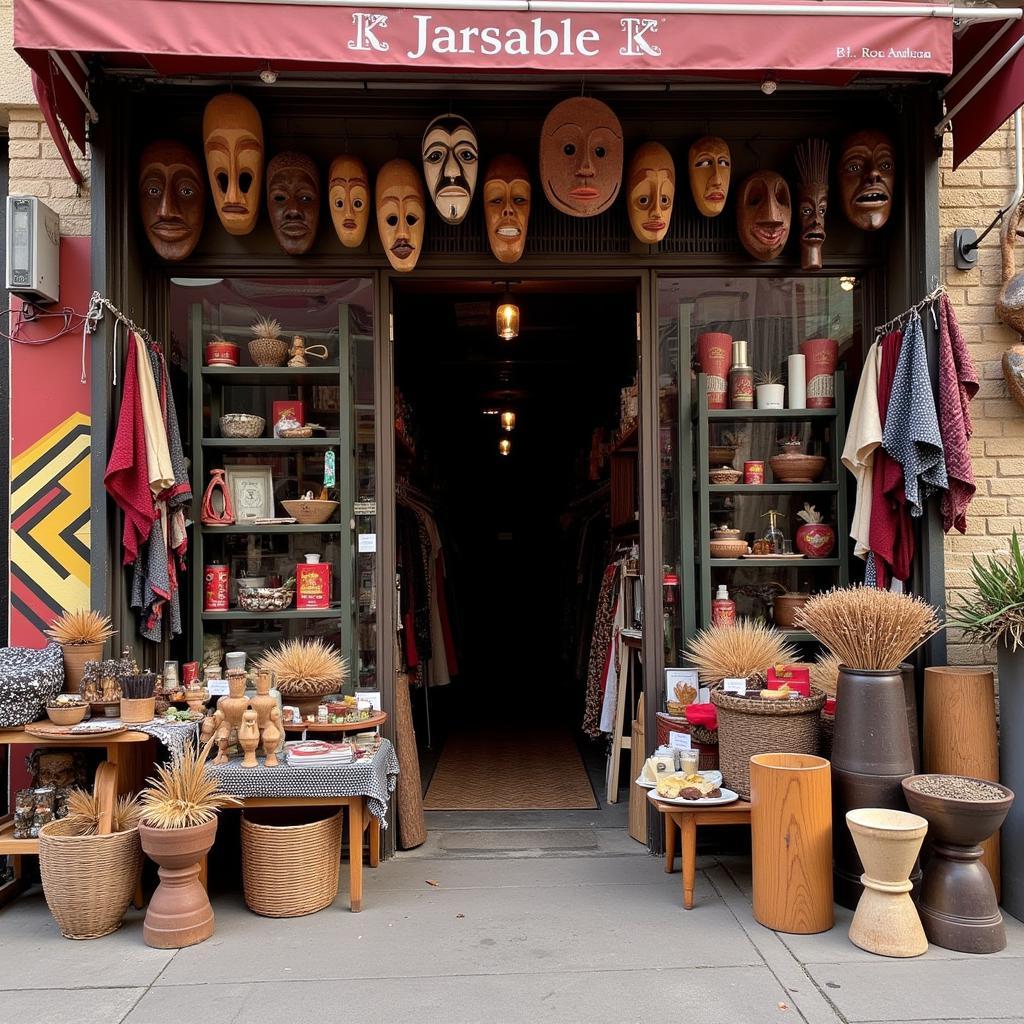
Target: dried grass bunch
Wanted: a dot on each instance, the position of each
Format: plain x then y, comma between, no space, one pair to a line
182,795
84,813
266,327
305,668
825,674
867,628
73,629
745,650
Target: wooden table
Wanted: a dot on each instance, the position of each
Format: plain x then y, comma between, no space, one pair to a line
686,820
122,751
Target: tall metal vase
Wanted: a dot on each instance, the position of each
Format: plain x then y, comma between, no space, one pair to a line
1011,773
871,756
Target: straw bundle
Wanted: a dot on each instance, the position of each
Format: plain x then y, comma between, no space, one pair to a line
84,813
825,674
745,650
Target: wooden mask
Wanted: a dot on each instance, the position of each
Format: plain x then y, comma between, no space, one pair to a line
172,198
450,165
812,200
400,213
710,169
581,157
867,176
233,143
507,207
349,196
651,180
763,214
293,201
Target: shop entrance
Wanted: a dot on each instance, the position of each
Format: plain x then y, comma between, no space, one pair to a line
504,526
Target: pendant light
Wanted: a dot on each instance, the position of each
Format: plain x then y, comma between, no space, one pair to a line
504,446
508,421
507,317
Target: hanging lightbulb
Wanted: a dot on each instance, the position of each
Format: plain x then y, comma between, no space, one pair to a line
847,283
507,318
508,421
504,446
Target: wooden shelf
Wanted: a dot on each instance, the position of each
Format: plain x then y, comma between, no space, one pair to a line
775,563
262,444
274,376
718,415
10,845
825,488
238,615
286,528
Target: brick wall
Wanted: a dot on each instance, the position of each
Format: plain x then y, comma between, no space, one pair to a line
969,198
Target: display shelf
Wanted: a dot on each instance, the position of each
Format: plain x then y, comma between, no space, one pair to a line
775,563
276,444
11,846
718,415
272,376
799,636
285,528
821,488
238,614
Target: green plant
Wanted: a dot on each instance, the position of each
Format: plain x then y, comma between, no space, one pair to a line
182,795
994,614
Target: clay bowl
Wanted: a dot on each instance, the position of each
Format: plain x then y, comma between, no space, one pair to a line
314,511
785,607
725,475
733,548
959,822
67,716
721,454
724,533
797,468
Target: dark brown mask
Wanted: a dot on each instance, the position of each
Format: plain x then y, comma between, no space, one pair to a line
812,200
293,201
171,198
867,177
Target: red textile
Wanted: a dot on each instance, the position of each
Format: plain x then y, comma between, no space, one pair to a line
892,536
127,474
702,714
958,384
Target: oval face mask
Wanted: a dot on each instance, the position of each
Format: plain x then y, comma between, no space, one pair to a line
507,207
293,201
581,157
349,198
867,176
171,198
400,213
710,169
651,181
450,165
764,214
233,144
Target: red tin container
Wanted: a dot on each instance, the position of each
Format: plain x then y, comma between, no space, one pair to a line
753,471
215,588
221,353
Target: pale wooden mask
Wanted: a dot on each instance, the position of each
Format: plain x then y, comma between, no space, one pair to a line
867,178
349,196
651,181
400,213
172,198
710,169
450,165
507,207
233,143
293,201
763,214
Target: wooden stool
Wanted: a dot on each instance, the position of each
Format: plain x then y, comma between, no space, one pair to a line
686,819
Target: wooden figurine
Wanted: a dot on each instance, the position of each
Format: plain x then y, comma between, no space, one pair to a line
263,703
223,733
249,739
272,734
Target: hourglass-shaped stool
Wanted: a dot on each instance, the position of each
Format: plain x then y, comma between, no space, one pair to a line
888,842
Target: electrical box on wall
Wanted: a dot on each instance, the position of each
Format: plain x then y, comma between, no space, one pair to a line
33,250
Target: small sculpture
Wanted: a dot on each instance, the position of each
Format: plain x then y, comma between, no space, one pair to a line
300,352
216,509
263,703
249,739
273,732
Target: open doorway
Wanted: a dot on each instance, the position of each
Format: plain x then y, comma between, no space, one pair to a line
505,527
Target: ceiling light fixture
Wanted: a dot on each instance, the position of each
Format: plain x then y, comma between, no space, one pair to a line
508,421
507,317
768,85
504,446
268,76
847,283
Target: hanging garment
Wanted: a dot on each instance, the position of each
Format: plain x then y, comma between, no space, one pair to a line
611,670
600,644
863,437
911,434
958,384
158,455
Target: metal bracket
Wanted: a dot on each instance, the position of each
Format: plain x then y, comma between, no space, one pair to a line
965,248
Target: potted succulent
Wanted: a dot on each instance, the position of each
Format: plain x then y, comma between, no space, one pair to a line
177,828
993,615
81,635
305,671
771,393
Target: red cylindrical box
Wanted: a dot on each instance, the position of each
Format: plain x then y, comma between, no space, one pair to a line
753,472
215,588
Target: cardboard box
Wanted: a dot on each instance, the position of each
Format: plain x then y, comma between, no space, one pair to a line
293,408
313,585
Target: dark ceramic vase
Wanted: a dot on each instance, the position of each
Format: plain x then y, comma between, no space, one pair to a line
871,756
910,699
958,904
1011,774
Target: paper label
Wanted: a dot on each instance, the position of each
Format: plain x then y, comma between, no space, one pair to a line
367,543
704,695
217,687
735,686
365,508
372,697
679,741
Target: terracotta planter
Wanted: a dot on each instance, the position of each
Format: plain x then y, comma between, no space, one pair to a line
75,657
179,914
815,540
785,607
821,355
714,353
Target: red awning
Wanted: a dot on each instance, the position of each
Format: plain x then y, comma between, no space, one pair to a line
807,40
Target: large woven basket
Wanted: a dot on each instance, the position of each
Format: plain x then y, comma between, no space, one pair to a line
88,881
289,862
747,727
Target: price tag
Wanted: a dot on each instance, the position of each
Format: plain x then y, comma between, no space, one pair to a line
679,741
735,686
217,687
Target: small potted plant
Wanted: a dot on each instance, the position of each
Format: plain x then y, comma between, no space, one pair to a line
177,828
305,671
814,537
266,347
81,635
771,394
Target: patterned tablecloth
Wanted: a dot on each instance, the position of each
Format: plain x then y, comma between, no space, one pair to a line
173,735
373,777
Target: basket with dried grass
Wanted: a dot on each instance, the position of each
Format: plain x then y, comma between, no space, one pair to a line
305,671
81,635
266,348
138,698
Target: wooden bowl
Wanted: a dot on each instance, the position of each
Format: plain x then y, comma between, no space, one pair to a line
728,548
311,511
785,607
67,716
721,454
797,468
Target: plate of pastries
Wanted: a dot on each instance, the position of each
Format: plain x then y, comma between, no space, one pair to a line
692,790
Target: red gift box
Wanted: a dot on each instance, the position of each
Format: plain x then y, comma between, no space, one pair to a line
313,585
798,677
293,409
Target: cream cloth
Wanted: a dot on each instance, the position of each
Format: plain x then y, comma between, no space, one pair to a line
863,436
158,454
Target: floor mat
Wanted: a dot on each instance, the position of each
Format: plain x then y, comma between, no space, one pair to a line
510,770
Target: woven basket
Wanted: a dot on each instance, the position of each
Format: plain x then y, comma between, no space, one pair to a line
289,863
268,351
88,881
747,727
704,741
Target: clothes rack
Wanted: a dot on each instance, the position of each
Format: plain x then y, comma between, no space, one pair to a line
97,305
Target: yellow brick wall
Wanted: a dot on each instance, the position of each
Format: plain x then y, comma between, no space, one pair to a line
969,198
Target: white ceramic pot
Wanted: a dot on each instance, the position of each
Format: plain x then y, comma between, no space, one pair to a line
771,396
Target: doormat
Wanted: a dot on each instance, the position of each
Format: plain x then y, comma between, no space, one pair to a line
510,770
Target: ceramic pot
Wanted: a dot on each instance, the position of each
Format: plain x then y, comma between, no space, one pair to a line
771,396
785,607
821,355
910,703
793,467
179,913
714,353
75,656
815,540
1011,773
221,353
888,843
958,904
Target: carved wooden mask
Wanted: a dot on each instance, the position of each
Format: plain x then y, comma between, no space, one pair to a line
710,169
172,198
812,159
867,177
400,213
293,201
507,207
581,157
450,165
651,181
233,143
349,197
763,214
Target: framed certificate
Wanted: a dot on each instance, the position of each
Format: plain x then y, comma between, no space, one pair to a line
252,492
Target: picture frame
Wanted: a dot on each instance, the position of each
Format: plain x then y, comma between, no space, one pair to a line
252,492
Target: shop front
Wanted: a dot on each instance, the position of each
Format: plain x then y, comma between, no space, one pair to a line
485,331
